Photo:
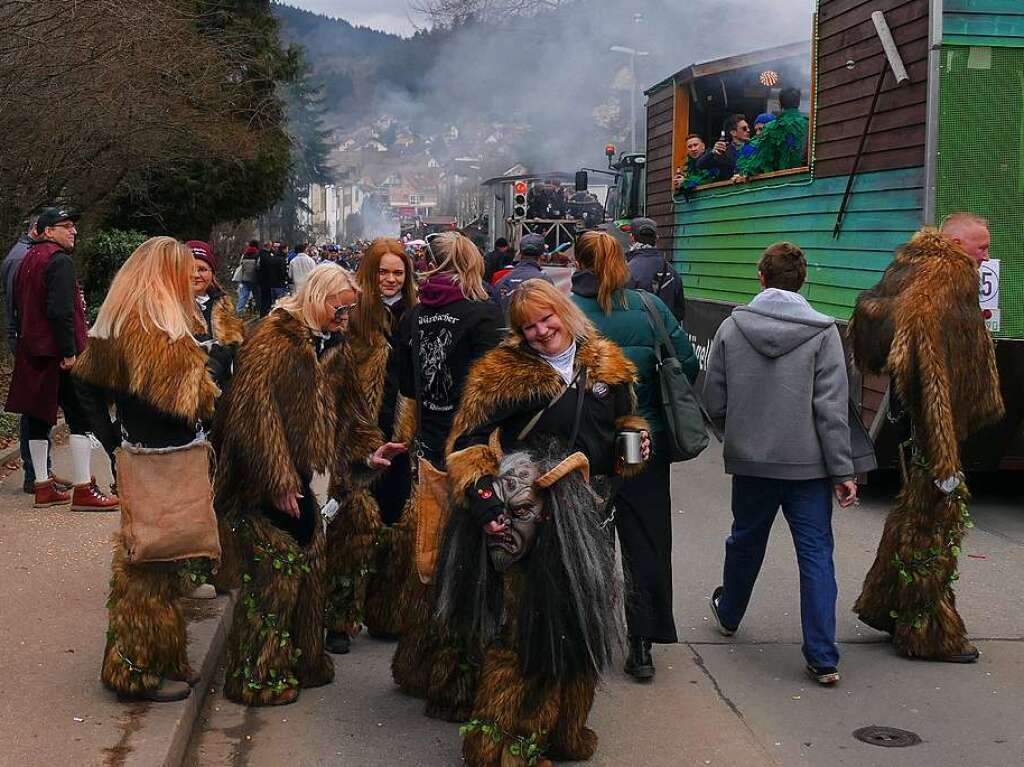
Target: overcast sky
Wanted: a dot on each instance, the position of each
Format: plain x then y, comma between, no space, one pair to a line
388,15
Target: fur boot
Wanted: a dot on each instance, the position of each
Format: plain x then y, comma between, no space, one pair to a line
351,549
276,642
146,636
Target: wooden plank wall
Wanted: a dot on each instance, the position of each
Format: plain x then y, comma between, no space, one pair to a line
897,137
725,230
983,22
660,112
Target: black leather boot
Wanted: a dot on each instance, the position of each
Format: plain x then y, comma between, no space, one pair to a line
639,663
337,643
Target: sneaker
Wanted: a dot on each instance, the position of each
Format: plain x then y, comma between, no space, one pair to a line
90,498
823,675
639,662
204,591
716,596
47,494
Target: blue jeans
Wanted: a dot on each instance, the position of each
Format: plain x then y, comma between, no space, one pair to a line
807,507
245,293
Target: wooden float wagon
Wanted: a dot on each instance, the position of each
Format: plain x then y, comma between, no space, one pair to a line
883,160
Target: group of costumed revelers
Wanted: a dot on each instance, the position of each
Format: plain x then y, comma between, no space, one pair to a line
497,434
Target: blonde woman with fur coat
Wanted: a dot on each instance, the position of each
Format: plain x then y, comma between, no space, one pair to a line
295,408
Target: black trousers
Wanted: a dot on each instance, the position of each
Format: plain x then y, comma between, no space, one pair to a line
643,520
75,415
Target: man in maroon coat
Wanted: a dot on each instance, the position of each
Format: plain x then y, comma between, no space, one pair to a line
52,334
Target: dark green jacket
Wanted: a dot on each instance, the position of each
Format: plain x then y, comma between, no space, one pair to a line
630,329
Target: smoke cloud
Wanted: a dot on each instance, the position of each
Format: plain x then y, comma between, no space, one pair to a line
563,81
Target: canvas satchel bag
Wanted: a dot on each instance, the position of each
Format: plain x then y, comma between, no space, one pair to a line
432,511
685,432
167,502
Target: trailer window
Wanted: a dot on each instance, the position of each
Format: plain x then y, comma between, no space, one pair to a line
758,106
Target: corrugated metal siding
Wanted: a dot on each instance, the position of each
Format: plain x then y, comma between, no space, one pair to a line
897,136
721,234
984,22
660,107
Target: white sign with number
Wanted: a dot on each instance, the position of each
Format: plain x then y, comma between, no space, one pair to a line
988,293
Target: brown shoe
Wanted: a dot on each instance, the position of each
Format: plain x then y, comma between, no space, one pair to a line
90,498
47,494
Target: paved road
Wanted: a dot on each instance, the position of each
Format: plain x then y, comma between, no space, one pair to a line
717,701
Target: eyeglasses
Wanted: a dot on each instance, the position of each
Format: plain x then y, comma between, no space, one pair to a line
343,310
744,129
69,225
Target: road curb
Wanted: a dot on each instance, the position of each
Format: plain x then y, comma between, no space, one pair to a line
165,729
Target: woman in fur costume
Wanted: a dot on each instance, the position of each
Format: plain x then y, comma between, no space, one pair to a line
358,539
221,336
552,367
295,408
921,324
143,356
542,600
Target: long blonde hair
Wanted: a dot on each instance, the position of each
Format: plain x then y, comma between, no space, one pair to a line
309,304
541,294
155,284
602,254
372,316
457,255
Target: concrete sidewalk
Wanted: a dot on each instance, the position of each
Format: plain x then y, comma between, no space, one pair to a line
53,709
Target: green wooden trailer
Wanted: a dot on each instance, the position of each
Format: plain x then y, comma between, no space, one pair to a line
950,138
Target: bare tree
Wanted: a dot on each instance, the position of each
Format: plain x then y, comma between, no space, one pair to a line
93,92
457,12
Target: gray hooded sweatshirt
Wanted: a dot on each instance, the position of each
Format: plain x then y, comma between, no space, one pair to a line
777,378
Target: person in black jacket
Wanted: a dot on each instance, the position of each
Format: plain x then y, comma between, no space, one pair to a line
453,326
649,269
498,258
722,157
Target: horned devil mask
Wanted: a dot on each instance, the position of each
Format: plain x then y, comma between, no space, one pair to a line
519,486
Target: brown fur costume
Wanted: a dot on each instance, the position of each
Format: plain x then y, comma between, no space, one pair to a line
429,662
922,325
146,638
546,618
280,424
353,535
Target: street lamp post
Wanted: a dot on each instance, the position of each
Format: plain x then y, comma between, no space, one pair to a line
633,55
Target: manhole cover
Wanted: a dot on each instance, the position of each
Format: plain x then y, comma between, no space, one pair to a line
887,737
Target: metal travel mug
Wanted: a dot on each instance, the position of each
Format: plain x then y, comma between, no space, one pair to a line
628,448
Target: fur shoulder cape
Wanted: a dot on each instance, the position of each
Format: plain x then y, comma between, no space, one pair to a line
227,326
283,416
143,362
921,324
510,374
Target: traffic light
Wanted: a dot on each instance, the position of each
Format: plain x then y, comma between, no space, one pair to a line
519,200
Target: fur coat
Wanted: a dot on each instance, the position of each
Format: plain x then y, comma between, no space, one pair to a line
289,414
921,324
510,376
169,378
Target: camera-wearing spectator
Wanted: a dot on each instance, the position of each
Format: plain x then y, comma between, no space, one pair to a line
53,334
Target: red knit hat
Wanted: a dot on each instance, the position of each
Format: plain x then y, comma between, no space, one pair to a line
203,252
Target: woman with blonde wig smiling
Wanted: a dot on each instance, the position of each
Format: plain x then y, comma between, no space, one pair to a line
295,408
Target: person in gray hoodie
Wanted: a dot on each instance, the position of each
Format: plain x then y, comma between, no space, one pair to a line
777,379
